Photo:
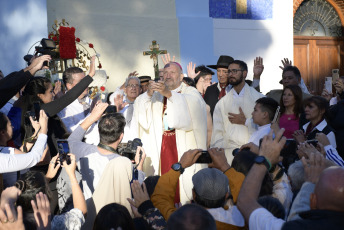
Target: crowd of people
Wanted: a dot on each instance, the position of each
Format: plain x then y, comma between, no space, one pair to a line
171,153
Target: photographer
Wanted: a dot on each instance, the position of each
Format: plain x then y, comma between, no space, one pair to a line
95,158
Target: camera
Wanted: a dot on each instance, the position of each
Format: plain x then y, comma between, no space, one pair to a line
48,47
63,149
204,158
129,150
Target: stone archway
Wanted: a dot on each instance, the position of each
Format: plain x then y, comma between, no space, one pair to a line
318,40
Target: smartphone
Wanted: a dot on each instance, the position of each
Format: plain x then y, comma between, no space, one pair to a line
204,158
157,79
276,114
63,149
328,84
313,142
62,146
335,74
37,108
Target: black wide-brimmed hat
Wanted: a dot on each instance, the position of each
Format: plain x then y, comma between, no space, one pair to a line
223,62
144,79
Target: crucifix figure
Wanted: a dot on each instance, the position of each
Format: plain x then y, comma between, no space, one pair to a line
154,52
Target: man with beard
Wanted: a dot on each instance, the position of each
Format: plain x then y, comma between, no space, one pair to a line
171,120
228,131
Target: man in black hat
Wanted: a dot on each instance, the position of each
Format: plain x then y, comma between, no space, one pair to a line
215,92
144,83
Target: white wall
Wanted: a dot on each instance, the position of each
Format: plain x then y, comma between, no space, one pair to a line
120,31
270,39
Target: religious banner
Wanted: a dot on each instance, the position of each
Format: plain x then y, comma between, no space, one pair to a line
241,9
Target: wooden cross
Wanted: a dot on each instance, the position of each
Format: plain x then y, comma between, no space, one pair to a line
154,52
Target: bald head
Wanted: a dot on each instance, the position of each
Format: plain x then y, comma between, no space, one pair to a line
329,191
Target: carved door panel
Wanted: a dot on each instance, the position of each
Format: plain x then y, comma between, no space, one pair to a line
316,57
318,42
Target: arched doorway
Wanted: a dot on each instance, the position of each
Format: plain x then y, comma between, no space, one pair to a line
318,40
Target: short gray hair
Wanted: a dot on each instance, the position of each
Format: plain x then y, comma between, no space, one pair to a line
132,77
297,175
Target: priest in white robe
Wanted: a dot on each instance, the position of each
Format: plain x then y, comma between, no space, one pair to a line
184,113
230,129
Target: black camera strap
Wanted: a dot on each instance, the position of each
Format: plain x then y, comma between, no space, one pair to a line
100,145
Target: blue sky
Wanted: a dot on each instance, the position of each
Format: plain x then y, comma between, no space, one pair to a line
22,24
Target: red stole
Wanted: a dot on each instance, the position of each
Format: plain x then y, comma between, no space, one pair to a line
169,153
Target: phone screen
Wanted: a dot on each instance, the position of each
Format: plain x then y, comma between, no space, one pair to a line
62,146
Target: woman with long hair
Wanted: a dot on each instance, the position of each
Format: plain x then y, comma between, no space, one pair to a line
291,107
39,90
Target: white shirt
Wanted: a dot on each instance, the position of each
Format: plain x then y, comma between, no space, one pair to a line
263,219
73,114
259,133
11,162
331,137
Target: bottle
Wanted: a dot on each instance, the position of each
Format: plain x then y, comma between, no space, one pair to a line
103,94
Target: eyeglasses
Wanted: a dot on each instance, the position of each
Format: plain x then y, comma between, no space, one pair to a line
234,71
133,86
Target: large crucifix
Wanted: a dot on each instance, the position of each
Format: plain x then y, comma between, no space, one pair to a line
154,52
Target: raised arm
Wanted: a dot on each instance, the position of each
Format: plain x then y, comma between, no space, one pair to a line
13,82
54,107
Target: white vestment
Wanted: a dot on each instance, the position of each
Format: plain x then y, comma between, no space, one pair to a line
225,134
186,113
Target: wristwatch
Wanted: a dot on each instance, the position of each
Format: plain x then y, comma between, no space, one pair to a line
263,160
178,167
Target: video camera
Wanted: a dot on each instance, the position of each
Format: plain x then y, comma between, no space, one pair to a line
129,150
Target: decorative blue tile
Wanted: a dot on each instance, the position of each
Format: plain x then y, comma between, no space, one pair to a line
256,9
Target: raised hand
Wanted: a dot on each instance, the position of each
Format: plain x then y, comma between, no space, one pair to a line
8,220
313,167
135,73
43,122
271,148
191,70
37,63
41,211
54,166
92,66
167,59
285,63
190,157
137,157
339,85
299,136
258,67
327,95
118,100
219,159
98,111
57,88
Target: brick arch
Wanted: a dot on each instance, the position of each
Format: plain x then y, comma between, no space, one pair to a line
337,4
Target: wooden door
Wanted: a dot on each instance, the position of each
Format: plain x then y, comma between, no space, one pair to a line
316,57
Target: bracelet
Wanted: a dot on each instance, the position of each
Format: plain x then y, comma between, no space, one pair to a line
267,160
227,170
